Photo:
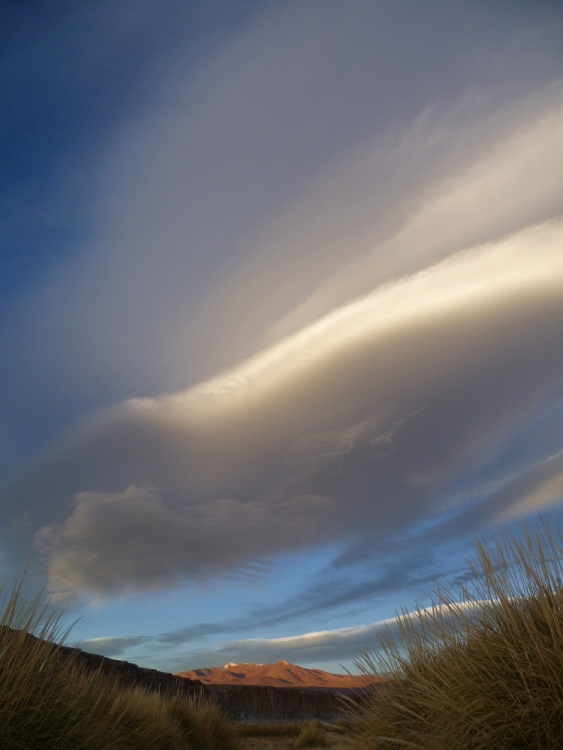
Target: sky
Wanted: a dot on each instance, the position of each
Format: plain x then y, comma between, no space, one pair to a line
281,313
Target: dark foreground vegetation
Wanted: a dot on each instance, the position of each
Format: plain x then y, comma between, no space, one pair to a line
484,669
50,701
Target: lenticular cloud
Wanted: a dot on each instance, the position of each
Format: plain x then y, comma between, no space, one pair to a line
364,420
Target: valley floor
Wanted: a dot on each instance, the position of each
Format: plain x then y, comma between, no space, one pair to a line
297,736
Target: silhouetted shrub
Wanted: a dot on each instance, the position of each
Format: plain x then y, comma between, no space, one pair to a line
483,669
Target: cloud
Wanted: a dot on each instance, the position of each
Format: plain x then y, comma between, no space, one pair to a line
338,645
503,186
111,646
403,571
117,541
341,645
535,490
280,453
363,224
242,185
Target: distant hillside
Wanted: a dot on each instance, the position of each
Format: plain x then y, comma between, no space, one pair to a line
280,674
127,674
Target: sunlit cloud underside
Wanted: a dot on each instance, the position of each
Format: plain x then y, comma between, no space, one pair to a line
359,424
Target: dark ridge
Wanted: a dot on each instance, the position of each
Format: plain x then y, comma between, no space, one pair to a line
124,672
131,675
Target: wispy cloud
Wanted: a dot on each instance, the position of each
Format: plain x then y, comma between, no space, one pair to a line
312,297
112,646
508,181
397,575
340,645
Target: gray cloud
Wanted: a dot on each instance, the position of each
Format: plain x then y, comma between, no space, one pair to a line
399,290
410,570
278,454
122,541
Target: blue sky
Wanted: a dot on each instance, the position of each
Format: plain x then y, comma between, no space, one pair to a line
281,288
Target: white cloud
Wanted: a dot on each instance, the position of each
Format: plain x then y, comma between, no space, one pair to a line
515,183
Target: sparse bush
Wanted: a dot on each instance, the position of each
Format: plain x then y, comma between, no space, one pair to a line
312,735
47,702
344,725
483,670
204,722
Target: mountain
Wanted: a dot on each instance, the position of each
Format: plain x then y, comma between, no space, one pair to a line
280,674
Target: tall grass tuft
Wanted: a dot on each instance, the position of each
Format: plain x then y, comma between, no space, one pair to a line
312,735
483,668
204,722
48,702
276,729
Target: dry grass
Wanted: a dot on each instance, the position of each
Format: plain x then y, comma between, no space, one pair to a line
279,729
47,702
484,669
287,736
312,735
